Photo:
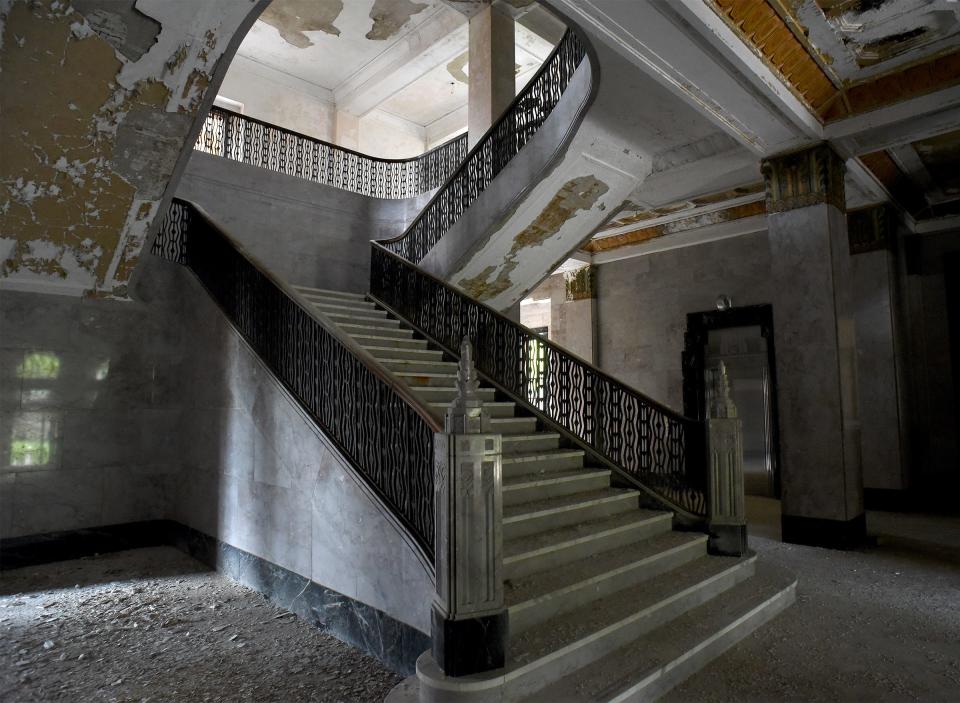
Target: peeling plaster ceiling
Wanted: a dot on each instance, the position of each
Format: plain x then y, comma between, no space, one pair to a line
844,57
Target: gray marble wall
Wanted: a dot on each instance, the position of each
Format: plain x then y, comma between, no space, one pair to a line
874,279
118,412
90,407
571,322
642,306
306,233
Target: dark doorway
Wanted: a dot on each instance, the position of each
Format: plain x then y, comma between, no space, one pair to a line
741,338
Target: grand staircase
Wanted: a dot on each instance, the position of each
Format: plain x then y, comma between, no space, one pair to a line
606,601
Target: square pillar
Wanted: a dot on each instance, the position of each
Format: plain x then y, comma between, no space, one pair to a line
815,335
491,67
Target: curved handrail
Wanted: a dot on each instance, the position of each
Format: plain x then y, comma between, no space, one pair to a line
515,127
358,404
238,137
656,447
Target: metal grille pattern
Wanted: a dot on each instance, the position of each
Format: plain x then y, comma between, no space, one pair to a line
500,144
250,141
660,448
386,439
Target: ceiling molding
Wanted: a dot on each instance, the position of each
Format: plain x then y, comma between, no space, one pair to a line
246,64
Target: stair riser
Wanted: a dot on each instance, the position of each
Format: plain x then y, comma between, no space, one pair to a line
384,323
446,395
654,687
515,568
343,303
529,681
390,342
572,516
512,446
392,353
541,467
505,410
428,381
421,366
355,329
366,314
555,490
516,425
335,294
526,615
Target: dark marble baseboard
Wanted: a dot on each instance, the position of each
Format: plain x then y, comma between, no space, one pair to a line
396,644
820,532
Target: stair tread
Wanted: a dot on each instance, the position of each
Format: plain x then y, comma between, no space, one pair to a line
561,476
541,454
614,610
661,649
543,583
327,291
530,436
536,507
585,530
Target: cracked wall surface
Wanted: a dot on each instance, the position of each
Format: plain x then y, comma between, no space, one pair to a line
98,97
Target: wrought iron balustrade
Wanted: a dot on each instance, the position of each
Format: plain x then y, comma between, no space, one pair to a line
240,138
493,152
380,427
657,447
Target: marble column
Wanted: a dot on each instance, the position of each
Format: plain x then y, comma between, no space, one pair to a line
491,69
573,318
881,380
815,335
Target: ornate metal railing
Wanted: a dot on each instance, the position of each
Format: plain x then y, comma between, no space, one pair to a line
657,447
378,425
493,152
251,141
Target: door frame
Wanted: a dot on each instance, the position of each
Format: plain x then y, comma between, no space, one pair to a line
699,325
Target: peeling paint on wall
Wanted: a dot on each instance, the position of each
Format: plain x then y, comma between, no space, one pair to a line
292,18
95,116
576,195
390,15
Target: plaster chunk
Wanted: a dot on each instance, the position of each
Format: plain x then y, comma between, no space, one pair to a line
124,27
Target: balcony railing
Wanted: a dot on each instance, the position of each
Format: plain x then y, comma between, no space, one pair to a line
251,141
378,425
654,446
493,152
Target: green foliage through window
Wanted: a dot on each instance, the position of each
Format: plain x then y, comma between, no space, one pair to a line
39,365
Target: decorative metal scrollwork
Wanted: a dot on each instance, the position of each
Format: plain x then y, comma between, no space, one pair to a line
250,141
500,144
385,438
655,445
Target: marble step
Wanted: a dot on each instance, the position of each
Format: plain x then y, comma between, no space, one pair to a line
530,443
434,394
341,317
325,293
381,352
541,463
522,519
351,313
549,550
496,408
649,666
570,644
410,366
534,599
344,304
378,341
427,378
525,489
513,425
356,328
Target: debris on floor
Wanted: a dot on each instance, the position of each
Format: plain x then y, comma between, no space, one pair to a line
155,625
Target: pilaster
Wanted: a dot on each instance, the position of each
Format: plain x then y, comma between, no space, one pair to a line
492,63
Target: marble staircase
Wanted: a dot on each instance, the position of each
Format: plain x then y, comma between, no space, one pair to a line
606,601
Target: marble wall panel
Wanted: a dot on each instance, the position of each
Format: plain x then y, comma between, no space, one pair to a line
51,500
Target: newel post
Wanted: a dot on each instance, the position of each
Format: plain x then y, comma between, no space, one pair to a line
469,623
726,514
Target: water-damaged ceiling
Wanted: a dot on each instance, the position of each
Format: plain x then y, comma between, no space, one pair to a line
845,57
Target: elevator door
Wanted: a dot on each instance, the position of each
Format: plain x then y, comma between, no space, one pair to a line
743,350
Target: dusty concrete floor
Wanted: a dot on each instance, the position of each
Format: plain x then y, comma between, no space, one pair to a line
155,625
880,624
